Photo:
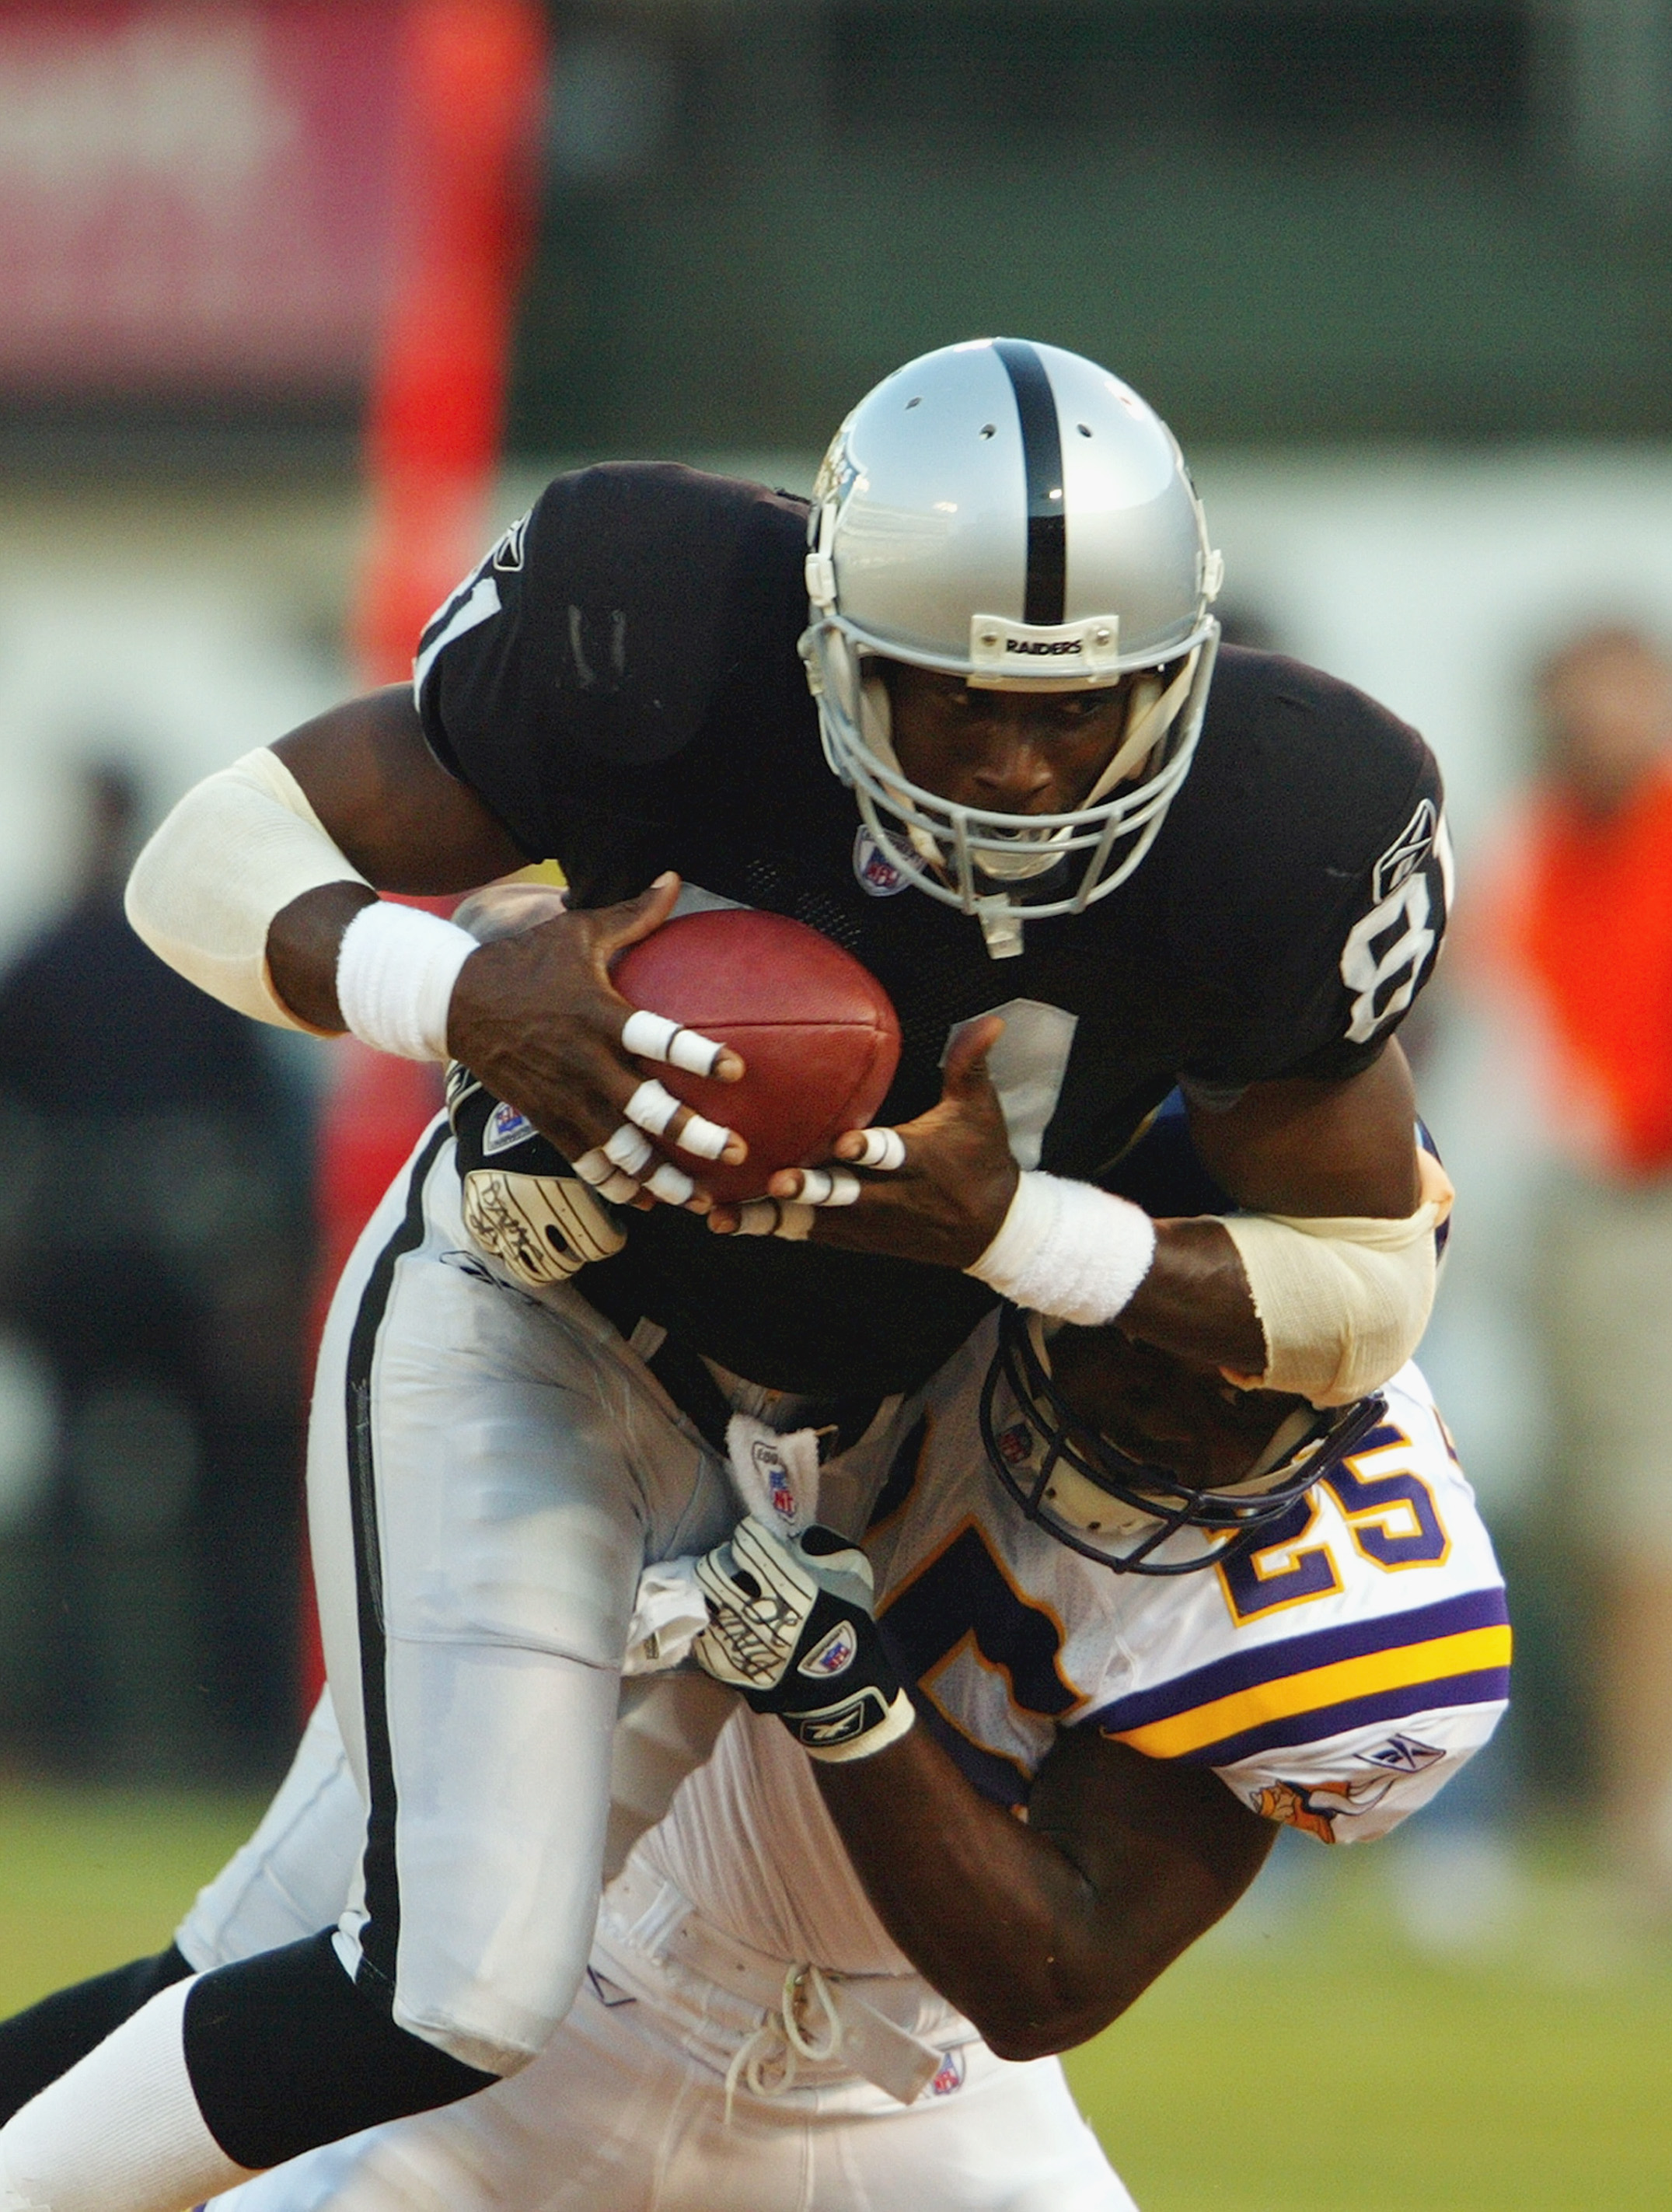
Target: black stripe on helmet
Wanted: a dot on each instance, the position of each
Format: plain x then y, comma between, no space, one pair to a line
1046,595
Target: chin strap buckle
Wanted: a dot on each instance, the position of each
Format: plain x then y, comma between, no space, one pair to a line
1001,927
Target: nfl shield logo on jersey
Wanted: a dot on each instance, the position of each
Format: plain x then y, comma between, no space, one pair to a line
1016,1445
875,866
951,2076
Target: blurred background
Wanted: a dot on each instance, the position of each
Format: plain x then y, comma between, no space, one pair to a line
305,298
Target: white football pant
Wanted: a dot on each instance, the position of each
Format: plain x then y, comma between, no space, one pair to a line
624,2110
487,1471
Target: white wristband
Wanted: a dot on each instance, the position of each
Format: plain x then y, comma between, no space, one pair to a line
1069,1249
395,978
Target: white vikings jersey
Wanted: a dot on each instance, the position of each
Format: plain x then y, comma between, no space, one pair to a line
1334,1678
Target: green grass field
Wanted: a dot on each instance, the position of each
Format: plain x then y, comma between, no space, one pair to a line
1314,2058
1305,2057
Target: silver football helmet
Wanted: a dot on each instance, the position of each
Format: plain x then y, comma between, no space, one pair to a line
1013,514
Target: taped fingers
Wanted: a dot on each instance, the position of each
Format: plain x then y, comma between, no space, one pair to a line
885,1149
774,1216
829,1187
650,1107
670,1184
599,1171
653,1037
630,1149
706,1140
656,1111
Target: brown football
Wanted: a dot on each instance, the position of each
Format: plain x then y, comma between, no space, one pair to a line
816,1031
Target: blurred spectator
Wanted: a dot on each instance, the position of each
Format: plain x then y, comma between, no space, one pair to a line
1581,924
153,1263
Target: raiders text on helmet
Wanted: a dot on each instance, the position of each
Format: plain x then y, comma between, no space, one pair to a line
1013,514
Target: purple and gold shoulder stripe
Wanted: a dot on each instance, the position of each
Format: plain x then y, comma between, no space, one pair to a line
1327,1683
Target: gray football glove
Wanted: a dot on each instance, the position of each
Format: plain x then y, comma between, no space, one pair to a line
789,1625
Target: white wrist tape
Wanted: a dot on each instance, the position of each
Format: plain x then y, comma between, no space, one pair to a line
121,2128
1342,1303
236,851
1069,1249
395,978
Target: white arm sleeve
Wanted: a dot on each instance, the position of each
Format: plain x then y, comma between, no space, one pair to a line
236,851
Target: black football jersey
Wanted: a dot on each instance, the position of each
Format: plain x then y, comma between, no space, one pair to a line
619,682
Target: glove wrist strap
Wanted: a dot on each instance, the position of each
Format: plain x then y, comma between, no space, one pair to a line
899,1720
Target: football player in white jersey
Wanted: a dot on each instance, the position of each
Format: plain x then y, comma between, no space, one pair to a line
1158,1615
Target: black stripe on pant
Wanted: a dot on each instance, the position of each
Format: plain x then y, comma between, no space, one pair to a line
284,2052
381,1934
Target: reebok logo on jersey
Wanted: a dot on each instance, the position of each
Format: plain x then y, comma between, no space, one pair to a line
508,553
1407,853
607,1992
1402,1754
872,864
506,1127
834,1655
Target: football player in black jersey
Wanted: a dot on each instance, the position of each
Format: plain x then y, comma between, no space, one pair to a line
1089,857
1250,909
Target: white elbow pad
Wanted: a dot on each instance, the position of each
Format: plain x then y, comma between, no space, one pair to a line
1342,1303
232,854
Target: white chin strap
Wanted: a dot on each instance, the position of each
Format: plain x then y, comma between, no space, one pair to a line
1151,712
876,727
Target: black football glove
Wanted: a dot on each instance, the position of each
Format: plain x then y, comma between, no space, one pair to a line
789,1625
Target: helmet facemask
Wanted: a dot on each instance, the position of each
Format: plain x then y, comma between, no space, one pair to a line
1012,868
1135,1515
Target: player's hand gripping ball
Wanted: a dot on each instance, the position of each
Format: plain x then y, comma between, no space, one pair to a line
818,1037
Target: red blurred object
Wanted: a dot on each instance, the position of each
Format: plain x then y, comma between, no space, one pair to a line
195,199
474,90
374,1111
472,94
816,1029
